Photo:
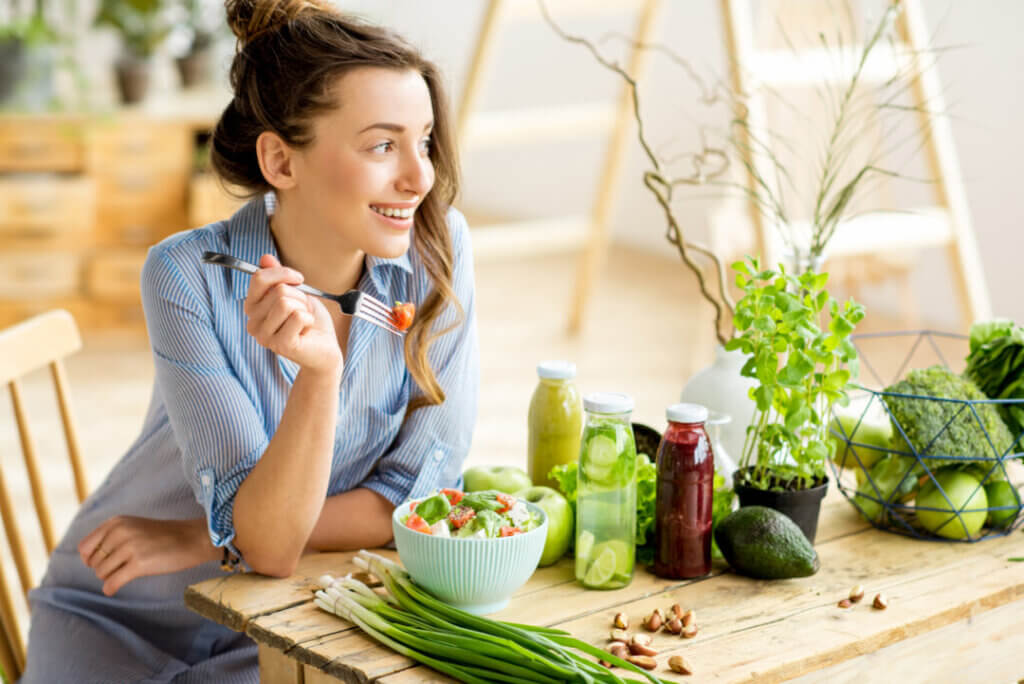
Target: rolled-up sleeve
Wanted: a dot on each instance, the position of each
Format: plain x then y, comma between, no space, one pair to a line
434,440
216,425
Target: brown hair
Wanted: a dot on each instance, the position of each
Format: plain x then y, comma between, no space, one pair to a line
290,55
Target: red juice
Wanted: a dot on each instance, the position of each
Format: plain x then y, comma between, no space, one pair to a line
686,474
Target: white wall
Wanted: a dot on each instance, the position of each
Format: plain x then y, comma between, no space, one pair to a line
982,85
533,66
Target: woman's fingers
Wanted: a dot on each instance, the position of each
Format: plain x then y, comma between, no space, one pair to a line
271,274
90,548
114,560
281,310
122,576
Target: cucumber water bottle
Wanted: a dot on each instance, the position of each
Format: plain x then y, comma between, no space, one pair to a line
606,493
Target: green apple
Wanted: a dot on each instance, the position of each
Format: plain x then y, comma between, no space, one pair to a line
863,425
964,493
560,521
506,479
1001,494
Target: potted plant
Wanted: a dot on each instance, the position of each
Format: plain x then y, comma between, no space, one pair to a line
801,369
194,66
143,26
27,60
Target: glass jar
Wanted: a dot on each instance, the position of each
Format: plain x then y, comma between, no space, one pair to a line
685,491
555,421
606,493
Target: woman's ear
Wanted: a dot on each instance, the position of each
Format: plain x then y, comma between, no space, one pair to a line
275,157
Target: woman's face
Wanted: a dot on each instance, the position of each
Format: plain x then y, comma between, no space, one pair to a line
368,167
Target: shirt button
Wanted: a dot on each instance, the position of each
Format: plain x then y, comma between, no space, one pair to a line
206,479
438,455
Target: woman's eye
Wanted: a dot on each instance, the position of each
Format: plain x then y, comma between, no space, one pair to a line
383,147
426,144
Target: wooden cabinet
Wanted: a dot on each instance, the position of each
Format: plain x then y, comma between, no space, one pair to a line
81,201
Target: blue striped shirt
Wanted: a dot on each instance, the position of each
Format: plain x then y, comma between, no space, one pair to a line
217,401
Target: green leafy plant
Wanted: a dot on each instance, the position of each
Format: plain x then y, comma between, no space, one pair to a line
143,24
801,370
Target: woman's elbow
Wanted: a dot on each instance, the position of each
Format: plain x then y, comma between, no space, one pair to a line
272,565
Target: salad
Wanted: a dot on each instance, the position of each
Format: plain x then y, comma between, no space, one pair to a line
479,515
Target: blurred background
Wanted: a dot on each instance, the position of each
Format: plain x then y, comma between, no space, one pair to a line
106,108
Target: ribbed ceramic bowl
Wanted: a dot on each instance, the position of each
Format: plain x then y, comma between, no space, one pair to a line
476,575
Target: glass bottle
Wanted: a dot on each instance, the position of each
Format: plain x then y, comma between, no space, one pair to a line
555,421
606,493
683,504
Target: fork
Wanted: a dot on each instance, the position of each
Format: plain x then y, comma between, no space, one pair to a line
352,303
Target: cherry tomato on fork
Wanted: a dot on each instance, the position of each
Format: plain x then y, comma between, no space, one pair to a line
402,314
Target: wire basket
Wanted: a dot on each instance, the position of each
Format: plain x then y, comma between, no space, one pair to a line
903,489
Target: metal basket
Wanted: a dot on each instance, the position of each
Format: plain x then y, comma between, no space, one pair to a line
889,508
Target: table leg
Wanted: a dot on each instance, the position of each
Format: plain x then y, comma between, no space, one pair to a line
276,667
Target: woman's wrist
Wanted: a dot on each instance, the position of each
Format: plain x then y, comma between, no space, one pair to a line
202,548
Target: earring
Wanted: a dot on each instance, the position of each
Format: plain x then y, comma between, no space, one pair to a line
270,202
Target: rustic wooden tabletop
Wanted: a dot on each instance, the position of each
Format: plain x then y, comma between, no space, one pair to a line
954,615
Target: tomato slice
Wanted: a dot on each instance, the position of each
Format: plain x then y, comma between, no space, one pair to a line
460,515
506,501
454,495
415,522
402,314
412,505
508,531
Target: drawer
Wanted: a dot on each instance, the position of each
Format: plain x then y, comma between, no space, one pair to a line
140,184
43,145
12,312
34,275
116,275
138,143
140,226
46,206
208,201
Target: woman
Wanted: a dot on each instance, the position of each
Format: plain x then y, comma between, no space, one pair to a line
278,425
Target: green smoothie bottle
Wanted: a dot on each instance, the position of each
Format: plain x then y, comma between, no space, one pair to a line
606,493
555,422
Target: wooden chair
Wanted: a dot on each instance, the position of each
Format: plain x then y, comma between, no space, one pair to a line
44,340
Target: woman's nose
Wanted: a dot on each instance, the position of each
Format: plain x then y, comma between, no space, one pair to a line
417,174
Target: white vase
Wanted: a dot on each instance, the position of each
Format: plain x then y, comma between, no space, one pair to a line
722,389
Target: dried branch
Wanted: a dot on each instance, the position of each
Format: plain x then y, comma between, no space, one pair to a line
708,164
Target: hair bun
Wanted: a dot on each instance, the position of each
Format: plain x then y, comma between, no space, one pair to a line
250,19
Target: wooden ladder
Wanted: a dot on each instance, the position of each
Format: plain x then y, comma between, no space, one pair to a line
586,232
948,224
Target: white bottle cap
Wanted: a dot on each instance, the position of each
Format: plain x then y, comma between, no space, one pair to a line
556,370
608,402
686,413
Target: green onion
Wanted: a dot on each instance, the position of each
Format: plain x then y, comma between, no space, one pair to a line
468,647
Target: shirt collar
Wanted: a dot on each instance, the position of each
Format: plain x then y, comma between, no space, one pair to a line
249,238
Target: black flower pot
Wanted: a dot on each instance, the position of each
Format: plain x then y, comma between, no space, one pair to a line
132,79
12,66
801,505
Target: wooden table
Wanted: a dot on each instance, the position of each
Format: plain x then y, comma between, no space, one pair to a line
955,614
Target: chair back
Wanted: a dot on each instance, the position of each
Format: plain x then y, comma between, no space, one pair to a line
44,340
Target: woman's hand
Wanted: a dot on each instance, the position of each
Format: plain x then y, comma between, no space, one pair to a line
289,322
125,548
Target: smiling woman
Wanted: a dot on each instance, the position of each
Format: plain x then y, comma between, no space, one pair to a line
278,425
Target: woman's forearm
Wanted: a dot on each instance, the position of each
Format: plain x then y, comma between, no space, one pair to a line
279,502
357,519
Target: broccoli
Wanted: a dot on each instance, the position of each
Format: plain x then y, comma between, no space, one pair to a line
925,421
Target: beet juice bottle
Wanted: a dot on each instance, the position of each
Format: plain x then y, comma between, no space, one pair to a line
686,474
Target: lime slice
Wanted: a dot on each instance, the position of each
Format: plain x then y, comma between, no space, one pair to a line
602,569
584,545
623,562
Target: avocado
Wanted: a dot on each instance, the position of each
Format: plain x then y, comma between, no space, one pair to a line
764,543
